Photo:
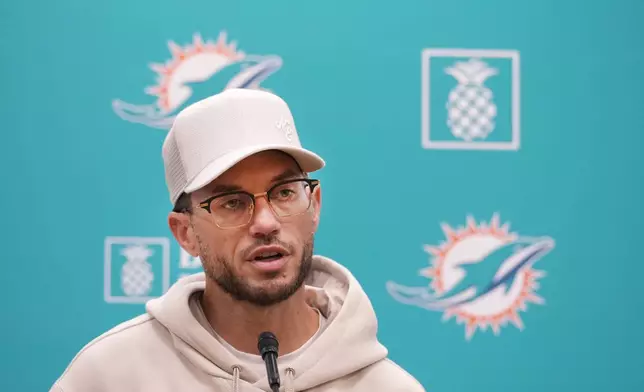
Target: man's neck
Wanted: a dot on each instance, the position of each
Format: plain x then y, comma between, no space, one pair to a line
239,323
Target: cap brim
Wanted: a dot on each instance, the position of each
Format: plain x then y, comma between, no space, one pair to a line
308,161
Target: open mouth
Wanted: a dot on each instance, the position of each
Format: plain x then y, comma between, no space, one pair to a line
268,256
269,259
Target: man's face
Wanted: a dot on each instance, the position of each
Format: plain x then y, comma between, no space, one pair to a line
238,259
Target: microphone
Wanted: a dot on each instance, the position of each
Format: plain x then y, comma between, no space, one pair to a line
268,345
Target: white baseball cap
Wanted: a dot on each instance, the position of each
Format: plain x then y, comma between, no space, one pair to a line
212,135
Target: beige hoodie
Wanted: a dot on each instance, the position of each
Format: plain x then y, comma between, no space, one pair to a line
168,349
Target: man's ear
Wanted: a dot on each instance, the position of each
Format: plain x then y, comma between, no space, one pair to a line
316,200
183,232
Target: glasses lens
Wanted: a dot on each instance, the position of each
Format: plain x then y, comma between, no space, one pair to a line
291,198
231,210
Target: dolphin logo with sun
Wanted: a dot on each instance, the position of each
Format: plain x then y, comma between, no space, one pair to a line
483,275
194,72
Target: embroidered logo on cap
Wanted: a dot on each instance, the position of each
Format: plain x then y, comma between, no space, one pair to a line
285,126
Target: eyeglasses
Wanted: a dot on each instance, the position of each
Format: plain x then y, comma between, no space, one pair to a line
235,209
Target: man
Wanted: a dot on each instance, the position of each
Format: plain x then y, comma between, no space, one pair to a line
244,204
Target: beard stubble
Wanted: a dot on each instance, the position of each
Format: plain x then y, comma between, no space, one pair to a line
219,269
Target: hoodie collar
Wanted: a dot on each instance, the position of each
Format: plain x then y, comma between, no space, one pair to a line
347,344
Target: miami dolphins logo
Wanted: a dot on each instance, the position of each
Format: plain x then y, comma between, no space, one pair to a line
195,72
481,275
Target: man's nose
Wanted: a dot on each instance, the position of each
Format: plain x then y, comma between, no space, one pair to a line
264,221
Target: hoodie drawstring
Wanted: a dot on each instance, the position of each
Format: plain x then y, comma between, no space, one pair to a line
288,385
235,379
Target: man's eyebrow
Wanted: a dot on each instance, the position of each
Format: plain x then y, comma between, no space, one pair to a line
221,188
287,175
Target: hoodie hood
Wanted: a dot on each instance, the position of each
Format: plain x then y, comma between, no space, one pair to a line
348,342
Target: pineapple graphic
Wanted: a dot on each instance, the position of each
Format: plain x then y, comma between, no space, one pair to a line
136,274
470,108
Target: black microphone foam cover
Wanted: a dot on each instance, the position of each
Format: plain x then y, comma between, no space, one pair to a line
266,343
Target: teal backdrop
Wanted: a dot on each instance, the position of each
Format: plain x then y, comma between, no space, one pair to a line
503,134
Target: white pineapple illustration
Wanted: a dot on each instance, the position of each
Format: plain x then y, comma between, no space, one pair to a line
470,108
136,274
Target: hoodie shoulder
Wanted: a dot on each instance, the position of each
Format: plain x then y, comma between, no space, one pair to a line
382,376
112,355
388,376
407,381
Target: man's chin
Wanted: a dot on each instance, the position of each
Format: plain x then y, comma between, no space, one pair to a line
273,282
271,292
261,285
